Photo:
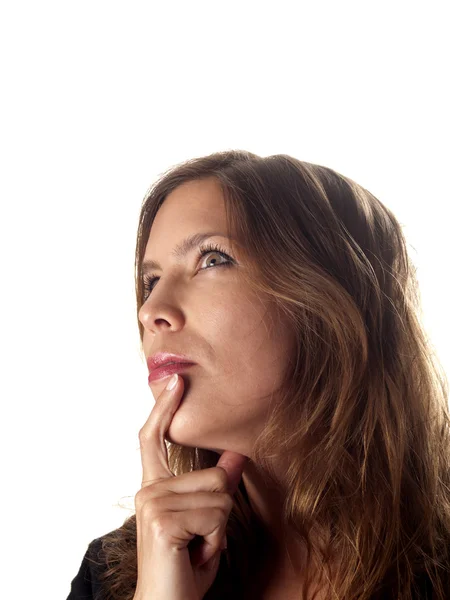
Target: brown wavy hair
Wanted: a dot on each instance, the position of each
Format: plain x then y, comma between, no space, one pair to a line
363,419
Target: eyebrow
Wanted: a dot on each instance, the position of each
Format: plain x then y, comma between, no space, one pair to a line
181,249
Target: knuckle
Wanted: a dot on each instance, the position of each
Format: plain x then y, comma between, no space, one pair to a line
220,478
143,501
139,499
148,512
143,436
158,525
228,503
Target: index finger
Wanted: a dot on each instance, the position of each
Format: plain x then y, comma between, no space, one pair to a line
155,464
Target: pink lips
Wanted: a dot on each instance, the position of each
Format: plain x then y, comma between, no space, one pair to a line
163,357
166,370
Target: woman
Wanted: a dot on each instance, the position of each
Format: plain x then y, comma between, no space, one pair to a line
311,431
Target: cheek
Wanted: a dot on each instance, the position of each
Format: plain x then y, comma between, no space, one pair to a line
238,323
251,344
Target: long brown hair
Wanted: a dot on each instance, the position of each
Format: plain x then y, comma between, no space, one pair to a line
363,419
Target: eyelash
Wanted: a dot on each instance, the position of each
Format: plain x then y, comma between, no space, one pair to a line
202,251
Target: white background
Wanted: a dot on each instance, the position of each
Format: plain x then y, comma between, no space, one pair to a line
97,99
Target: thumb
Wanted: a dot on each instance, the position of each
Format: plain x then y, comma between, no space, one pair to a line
233,464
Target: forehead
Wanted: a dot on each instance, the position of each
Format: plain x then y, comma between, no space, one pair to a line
199,196
192,208
191,203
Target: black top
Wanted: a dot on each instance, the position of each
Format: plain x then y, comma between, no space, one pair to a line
85,585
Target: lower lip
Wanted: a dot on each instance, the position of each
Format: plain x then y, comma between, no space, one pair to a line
166,370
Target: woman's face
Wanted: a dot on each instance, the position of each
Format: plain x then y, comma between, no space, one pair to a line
208,312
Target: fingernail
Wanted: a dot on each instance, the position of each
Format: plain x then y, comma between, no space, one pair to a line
173,382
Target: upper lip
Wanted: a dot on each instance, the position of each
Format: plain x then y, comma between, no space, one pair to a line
162,358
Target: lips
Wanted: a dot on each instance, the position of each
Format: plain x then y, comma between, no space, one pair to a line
163,358
168,369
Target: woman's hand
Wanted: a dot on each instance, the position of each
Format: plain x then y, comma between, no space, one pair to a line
171,511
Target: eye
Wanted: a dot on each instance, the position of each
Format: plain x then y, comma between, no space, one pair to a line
202,251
